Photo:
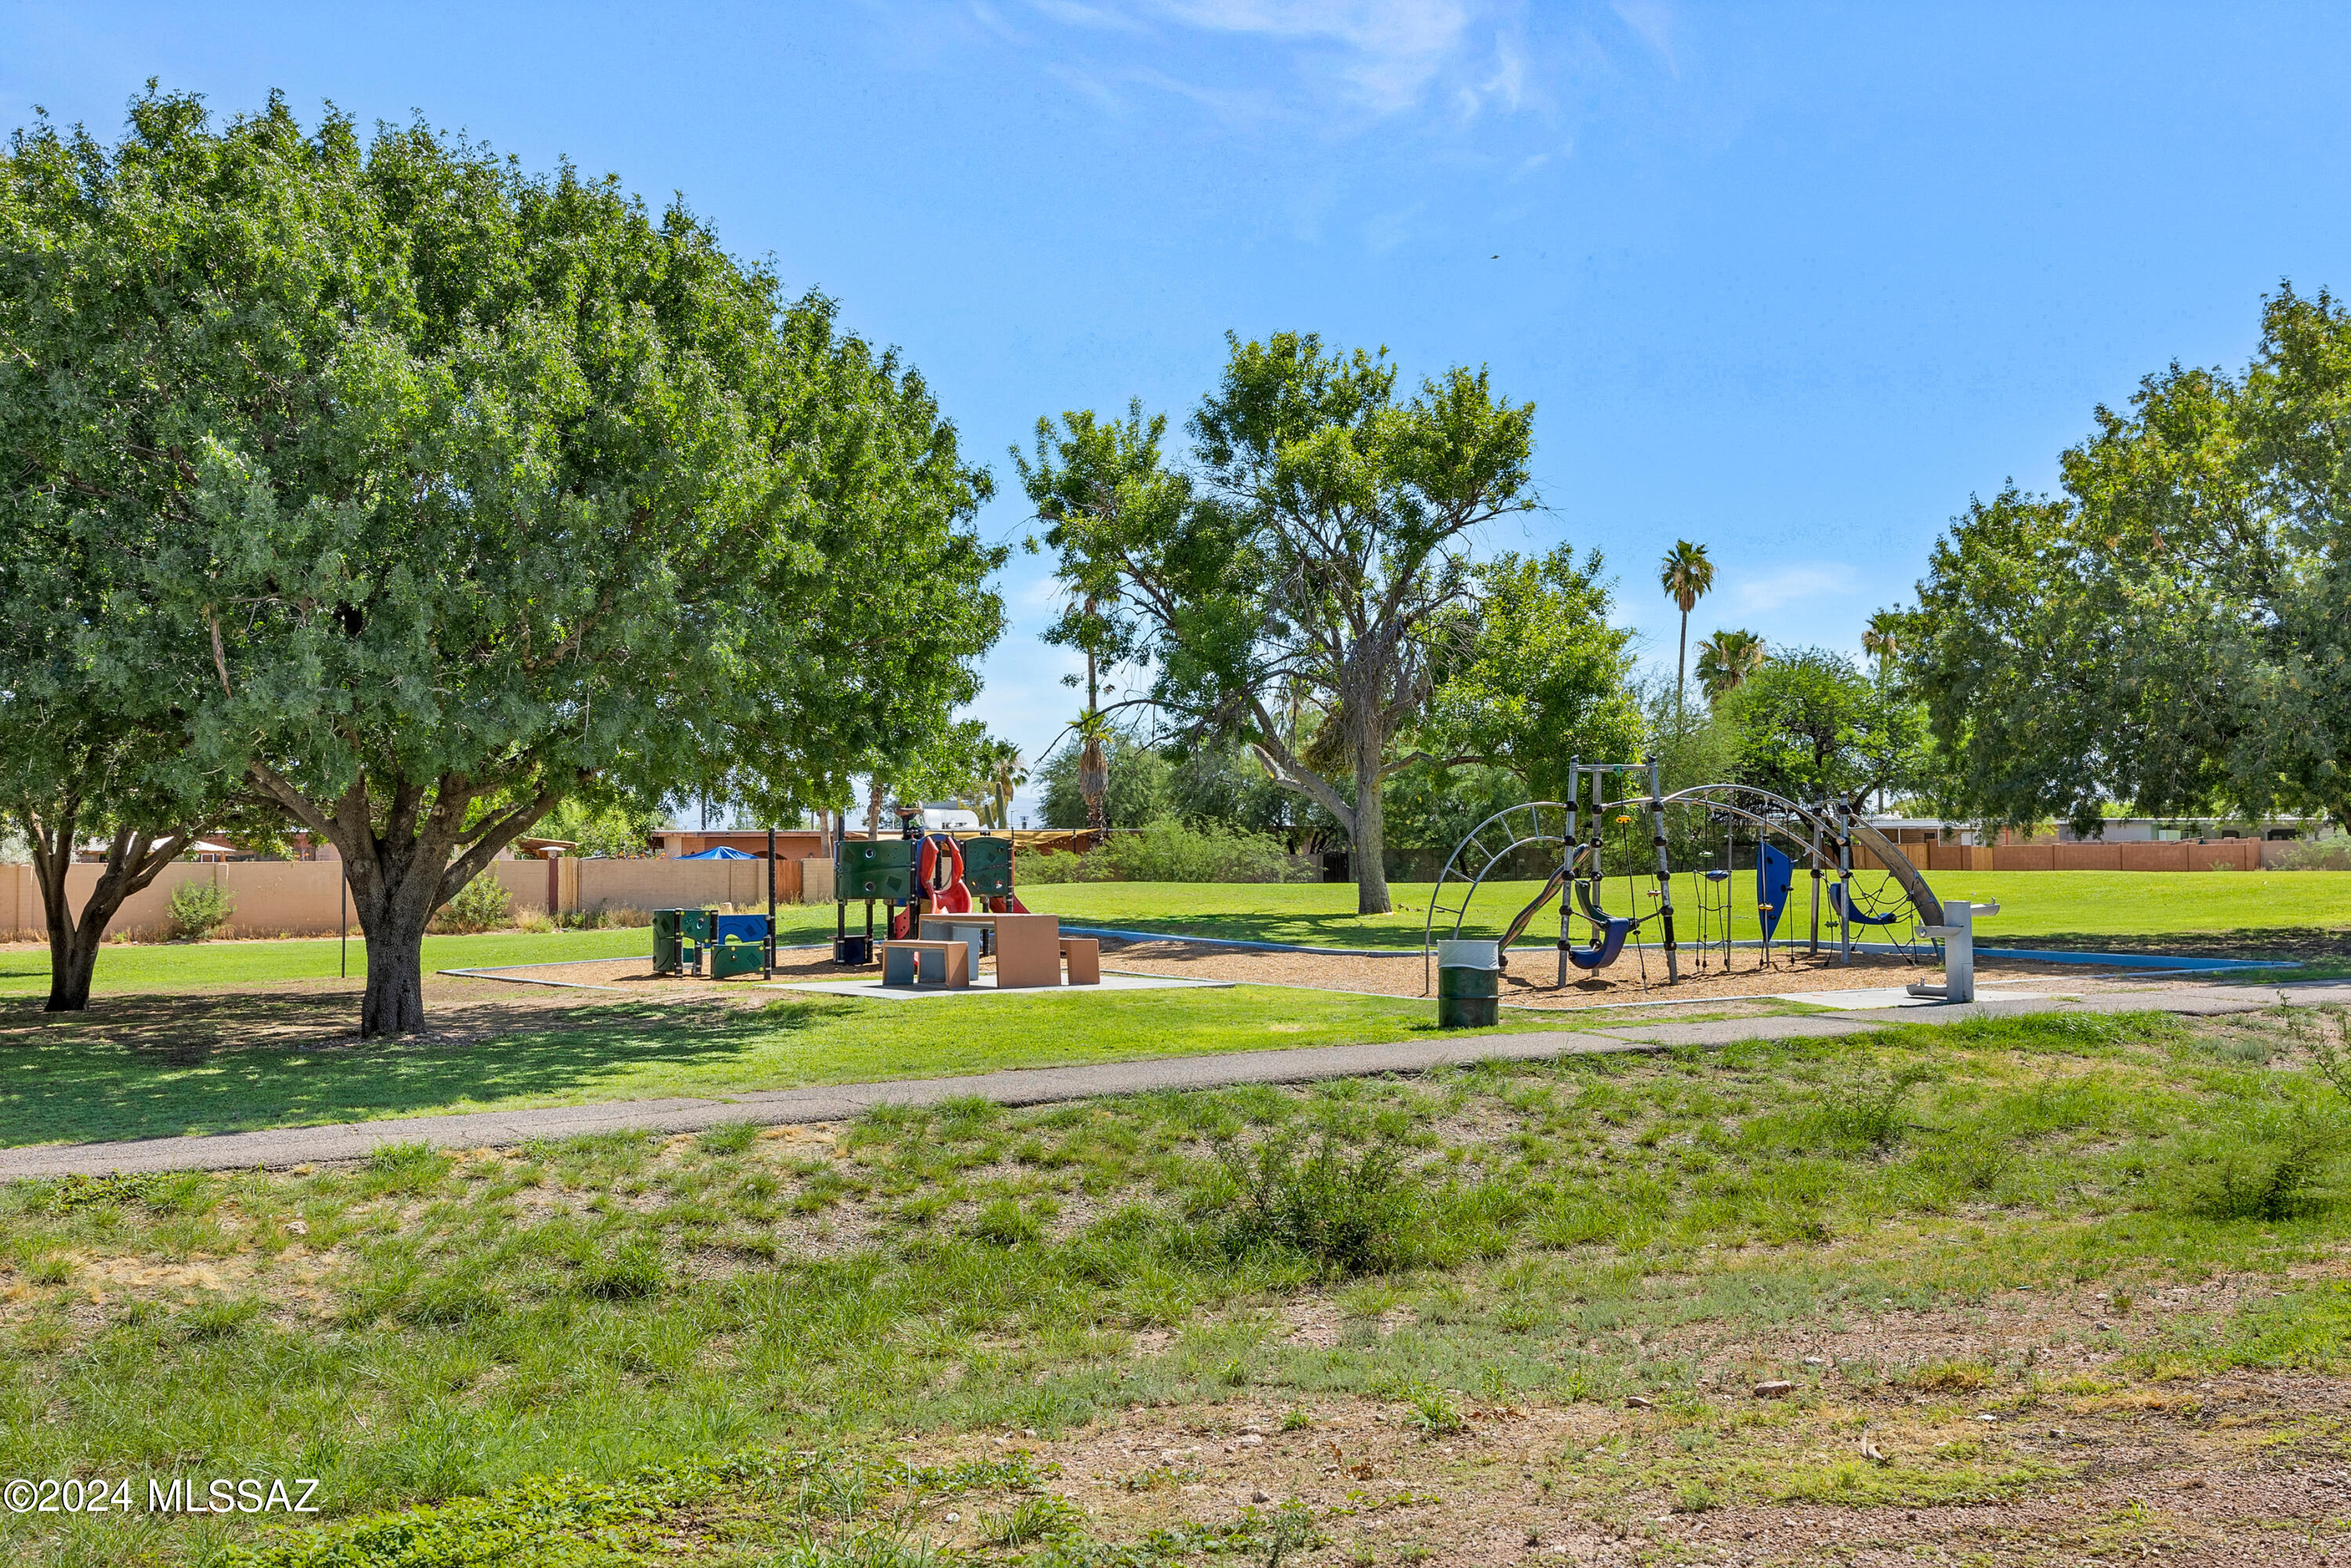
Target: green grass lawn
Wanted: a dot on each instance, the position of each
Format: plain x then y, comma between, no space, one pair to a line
2263,911
126,1072
127,967
2018,1252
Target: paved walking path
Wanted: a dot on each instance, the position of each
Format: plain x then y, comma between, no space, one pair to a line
283,1146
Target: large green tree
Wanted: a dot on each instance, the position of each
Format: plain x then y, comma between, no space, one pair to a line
474,489
2174,627
96,695
1808,725
1285,586
1532,673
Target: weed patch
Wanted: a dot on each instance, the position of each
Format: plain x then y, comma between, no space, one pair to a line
1353,1214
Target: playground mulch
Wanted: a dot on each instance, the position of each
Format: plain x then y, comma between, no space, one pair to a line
1529,982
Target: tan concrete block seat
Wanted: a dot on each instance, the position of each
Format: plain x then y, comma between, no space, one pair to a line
1083,957
912,961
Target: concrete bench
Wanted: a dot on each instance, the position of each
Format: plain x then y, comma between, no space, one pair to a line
910,961
1083,956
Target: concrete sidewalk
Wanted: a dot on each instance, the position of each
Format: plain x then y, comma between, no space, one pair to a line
281,1146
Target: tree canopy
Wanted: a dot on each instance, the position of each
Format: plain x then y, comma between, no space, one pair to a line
1535,675
1284,587
463,490
2173,627
1808,725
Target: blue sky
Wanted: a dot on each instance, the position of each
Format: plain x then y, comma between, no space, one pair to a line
1792,280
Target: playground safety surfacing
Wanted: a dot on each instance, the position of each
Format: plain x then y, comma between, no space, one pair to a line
1531,980
1870,980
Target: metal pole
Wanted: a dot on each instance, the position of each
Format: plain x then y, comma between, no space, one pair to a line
1814,949
343,907
767,971
1665,872
1566,887
1844,884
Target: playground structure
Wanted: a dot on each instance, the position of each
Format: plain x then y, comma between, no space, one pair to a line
731,945
914,874
1821,841
947,903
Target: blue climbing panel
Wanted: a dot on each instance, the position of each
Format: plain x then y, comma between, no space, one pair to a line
1775,874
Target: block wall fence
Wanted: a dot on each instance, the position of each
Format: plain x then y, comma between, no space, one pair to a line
304,898
300,898
2219,854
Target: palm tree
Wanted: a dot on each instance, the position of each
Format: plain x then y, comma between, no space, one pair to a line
1883,641
1005,776
1725,660
1092,727
1687,576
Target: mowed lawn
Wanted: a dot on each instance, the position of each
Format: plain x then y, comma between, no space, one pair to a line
2074,907
194,966
2070,906
128,1070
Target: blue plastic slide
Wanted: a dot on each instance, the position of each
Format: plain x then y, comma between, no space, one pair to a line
1775,874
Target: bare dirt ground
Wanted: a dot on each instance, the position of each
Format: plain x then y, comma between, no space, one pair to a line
1529,980
2248,1470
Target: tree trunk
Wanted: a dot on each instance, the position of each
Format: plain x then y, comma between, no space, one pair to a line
1093,786
1681,675
396,884
394,1002
1369,838
134,861
401,872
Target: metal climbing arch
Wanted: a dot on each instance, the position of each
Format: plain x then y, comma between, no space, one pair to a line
1479,852
1824,839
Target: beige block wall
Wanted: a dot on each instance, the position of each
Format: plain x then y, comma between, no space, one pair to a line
2221,854
268,898
303,898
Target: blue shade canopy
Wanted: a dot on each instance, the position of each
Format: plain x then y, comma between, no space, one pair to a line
721,853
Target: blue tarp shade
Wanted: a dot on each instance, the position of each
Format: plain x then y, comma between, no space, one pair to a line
1775,874
721,853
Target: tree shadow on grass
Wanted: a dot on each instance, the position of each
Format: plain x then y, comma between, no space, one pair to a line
144,1067
1305,930
2304,941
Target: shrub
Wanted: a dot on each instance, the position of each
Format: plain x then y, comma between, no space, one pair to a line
1353,1215
1047,868
1169,852
482,905
1867,1111
198,909
2269,1181
2309,854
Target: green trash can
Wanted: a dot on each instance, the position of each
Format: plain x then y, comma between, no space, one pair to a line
1468,984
